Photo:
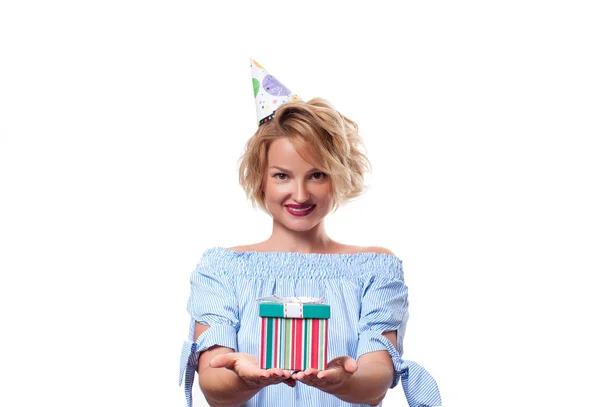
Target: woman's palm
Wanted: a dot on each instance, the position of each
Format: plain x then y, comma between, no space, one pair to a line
247,368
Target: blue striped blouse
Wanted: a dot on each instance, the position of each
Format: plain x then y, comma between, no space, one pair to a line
366,293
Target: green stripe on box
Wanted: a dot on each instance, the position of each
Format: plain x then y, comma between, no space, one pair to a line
269,359
272,310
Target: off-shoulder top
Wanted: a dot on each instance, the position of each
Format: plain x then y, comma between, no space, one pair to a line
366,293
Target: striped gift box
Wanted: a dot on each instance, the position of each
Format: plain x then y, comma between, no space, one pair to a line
293,336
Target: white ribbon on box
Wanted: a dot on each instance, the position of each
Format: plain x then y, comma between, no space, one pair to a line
293,310
293,307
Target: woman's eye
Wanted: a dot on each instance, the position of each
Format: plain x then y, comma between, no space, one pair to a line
316,175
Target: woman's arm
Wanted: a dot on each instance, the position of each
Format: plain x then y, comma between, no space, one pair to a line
239,381
369,384
362,382
373,378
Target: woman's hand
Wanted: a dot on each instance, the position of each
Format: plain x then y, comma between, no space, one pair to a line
246,367
331,380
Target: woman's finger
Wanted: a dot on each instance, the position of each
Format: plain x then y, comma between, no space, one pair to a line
312,380
274,379
276,372
350,365
307,373
257,373
223,360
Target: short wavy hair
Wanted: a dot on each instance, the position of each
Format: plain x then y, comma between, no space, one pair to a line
322,136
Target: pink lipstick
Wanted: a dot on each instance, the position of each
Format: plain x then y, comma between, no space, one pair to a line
300,210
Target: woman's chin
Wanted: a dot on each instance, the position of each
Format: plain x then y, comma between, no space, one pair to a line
299,225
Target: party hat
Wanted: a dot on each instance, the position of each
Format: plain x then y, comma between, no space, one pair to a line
269,93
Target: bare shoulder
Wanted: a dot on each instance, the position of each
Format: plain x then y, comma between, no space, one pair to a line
241,248
380,250
364,249
244,248
340,248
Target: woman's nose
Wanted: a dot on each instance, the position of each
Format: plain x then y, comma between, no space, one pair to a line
300,192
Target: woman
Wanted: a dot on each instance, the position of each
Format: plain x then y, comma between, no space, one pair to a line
302,163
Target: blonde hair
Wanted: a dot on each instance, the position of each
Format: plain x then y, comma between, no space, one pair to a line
322,136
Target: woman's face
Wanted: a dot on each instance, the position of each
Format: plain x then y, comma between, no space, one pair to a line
290,182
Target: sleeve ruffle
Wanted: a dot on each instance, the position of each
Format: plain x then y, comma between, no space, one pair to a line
222,335
384,308
372,341
420,388
212,302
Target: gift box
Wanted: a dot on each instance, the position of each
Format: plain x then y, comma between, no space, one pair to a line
293,333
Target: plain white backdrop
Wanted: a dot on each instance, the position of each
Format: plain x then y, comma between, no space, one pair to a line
121,123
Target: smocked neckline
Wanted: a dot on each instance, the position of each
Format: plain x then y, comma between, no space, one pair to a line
294,254
301,265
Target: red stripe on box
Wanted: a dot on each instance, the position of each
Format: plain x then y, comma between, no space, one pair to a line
293,349
298,344
314,357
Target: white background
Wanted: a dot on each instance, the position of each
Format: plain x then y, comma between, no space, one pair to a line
121,123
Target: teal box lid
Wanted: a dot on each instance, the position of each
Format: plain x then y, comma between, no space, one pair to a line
275,310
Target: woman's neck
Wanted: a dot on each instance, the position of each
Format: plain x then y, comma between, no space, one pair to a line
314,240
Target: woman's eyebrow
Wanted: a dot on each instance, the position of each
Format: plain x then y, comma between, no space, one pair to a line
286,170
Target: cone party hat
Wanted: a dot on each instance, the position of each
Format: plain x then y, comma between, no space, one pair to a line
269,93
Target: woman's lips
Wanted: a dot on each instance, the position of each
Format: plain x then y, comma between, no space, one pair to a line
300,211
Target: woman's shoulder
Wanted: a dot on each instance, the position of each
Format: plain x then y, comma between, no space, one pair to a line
350,249
370,249
244,248
339,248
